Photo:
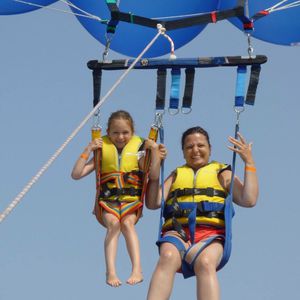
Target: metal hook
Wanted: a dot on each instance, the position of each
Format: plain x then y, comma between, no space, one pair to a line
238,110
96,119
173,111
250,47
107,47
186,110
158,119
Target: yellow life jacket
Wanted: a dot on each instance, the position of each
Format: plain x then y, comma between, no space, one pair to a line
200,191
121,178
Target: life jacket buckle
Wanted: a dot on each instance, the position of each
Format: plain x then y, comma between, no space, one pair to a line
132,191
189,191
106,193
210,192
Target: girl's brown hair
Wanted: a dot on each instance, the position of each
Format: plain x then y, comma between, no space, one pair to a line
121,114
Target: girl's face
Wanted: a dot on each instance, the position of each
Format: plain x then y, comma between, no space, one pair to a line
120,133
196,151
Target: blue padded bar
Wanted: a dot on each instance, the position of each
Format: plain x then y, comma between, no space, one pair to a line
199,62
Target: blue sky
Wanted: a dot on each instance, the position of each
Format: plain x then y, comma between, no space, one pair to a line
51,247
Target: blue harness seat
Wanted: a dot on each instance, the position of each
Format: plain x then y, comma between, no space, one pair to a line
188,262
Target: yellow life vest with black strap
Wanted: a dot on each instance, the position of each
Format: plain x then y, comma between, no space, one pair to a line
200,193
121,178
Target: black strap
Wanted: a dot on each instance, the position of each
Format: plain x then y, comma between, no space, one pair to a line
106,193
97,75
130,18
188,89
211,17
184,213
253,83
161,89
205,18
210,192
178,227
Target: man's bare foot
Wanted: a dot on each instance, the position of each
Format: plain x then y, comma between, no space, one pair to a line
135,277
113,280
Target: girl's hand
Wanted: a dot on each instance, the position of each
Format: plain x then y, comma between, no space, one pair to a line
162,151
150,144
94,145
243,148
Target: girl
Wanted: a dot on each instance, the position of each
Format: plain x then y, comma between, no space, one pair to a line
119,204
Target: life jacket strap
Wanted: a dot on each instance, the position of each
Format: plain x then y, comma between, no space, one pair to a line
130,177
179,229
210,192
184,213
106,193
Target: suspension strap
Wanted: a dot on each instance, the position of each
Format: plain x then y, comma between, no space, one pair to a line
114,9
175,91
97,76
228,205
253,83
161,90
188,90
153,134
96,134
162,183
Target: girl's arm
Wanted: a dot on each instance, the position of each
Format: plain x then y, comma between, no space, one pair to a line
83,166
244,193
154,192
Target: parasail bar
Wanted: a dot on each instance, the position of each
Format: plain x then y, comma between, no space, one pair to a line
200,62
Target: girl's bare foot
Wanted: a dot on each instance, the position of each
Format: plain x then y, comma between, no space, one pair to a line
135,277
113,280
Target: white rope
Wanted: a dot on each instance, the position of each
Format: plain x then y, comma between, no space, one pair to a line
28,186
79,9
179,16
279,6
291,5
85,15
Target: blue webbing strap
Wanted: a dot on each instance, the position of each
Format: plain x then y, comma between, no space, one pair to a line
228,205
240,86
162,179
161,89
175,90
229,210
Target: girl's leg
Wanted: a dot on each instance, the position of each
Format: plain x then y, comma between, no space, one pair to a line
133,247
112,224
163,277
206,274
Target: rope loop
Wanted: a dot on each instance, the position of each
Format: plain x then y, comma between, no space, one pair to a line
162,31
